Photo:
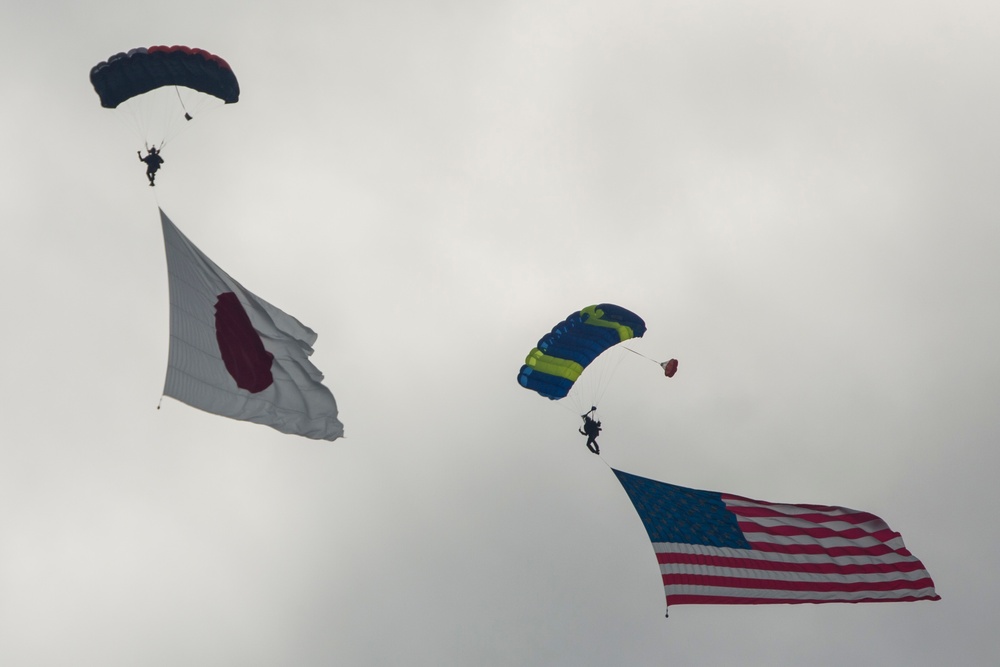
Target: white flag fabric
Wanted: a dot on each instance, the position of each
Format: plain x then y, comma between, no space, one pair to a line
236,355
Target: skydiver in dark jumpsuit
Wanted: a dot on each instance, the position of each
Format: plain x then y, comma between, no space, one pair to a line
591,429
153,162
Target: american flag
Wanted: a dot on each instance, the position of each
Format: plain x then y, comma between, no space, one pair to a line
718,548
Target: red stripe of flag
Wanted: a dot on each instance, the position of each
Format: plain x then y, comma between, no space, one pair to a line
819,532
673,558
686,598
706,580
763,503
820,550
764,512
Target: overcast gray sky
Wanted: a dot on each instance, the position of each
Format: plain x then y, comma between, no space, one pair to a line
800,200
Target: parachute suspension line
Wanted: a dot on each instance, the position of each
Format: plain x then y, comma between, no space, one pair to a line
180,99
570,408
606,370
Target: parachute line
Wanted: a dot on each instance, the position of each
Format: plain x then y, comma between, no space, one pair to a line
640,354
180,99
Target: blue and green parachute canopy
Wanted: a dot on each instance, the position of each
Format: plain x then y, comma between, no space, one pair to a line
557,361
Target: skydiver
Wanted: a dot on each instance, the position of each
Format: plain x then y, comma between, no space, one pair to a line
153,162
591,429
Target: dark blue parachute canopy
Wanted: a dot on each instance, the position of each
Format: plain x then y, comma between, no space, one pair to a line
141,70
557,361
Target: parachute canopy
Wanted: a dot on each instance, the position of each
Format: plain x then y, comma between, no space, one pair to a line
557,361
141,70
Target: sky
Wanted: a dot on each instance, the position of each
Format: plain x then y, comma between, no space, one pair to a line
799,199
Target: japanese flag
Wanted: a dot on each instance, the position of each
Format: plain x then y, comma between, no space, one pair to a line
236,355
